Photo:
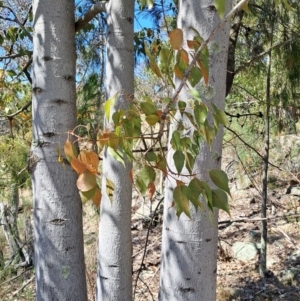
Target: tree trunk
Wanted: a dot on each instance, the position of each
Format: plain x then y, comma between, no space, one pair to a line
189,247
114,281
58,235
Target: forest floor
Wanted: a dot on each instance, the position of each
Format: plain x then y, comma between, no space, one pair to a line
237,279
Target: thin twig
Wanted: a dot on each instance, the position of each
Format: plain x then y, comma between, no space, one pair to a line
251,147
253,220
289,239
23,286
15,277
145,247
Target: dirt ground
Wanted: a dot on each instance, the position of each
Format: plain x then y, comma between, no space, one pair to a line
237,280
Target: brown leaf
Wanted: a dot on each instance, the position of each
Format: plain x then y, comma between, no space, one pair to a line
90,160
86,181
97,197
78,166
176,38
151,190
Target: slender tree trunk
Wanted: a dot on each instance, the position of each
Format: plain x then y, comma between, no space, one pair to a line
189,247
58,235
264,228
114,281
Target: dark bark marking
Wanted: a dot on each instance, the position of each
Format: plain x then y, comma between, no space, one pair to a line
46,58
58,221
112,266
186,289
37,90
104,278
180,242
130,20
48,134
207,239
59,101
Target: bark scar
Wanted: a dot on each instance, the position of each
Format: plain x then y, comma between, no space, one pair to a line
57,221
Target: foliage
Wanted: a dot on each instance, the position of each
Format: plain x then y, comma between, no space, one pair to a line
126,127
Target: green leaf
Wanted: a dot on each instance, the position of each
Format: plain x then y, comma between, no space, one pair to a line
181,106
1,40
152,119
140,185
116,117
195,94
108,105
195,192
87,195
178,158
199,187
189,161
176,140
110,187
220,6
220,179
117,155
246,9
220,118
200,113
181,195
148,174
195,76
220,200
161,163
151,156
150,4
148,108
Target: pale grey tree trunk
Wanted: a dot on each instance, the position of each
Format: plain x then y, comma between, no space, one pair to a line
114,280
189,247
58,234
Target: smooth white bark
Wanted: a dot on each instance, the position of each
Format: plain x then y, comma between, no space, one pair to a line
189,247
58,235
114,281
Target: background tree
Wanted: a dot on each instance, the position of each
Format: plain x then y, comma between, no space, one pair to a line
58,235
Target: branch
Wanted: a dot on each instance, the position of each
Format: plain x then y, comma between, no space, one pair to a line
16,20
259,56
251,147
190,67
100,7
253,220
13,56
25,107
145,248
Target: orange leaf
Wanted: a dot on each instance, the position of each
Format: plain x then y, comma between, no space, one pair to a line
178,72
97,197
176,38
159,113
184,55
203,71
86,181
151,190
69,150
192,44
131,175
78,166
90,160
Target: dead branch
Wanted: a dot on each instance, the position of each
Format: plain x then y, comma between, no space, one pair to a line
253,220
